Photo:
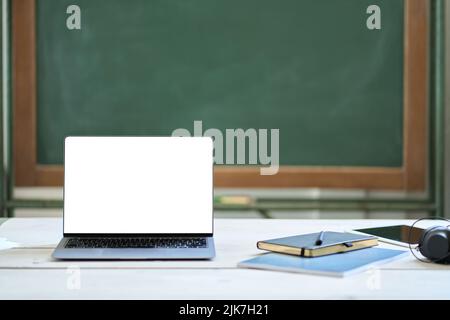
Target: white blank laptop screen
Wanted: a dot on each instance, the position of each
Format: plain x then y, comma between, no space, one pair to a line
142,185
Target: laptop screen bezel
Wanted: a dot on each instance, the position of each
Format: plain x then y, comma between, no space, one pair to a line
133,235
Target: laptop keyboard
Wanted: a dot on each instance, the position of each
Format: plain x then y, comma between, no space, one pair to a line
156,243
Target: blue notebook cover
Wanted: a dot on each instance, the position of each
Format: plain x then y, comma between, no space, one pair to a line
338,265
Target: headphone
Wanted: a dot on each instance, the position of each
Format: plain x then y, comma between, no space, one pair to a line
434,243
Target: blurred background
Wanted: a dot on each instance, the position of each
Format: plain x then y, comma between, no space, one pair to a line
363,114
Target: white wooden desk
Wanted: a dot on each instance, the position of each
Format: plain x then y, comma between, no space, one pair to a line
29,272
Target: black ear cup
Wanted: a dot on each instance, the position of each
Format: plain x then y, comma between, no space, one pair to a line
435,244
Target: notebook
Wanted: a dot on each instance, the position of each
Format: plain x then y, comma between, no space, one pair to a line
305,245
337,265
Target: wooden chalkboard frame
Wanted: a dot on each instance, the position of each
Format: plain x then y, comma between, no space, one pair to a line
412,176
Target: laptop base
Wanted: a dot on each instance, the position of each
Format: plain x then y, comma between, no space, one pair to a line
62,253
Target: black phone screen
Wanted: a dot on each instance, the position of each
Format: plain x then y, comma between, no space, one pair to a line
399,233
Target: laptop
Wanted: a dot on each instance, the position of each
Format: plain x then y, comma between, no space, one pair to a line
137,198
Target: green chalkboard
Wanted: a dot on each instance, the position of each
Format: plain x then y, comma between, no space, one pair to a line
310,68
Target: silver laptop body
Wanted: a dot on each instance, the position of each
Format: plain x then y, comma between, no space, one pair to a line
137,198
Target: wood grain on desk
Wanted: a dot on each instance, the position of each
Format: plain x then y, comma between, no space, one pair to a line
29,272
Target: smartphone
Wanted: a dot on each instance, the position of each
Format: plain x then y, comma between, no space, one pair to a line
401,235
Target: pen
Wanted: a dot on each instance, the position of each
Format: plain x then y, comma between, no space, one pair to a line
319,240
